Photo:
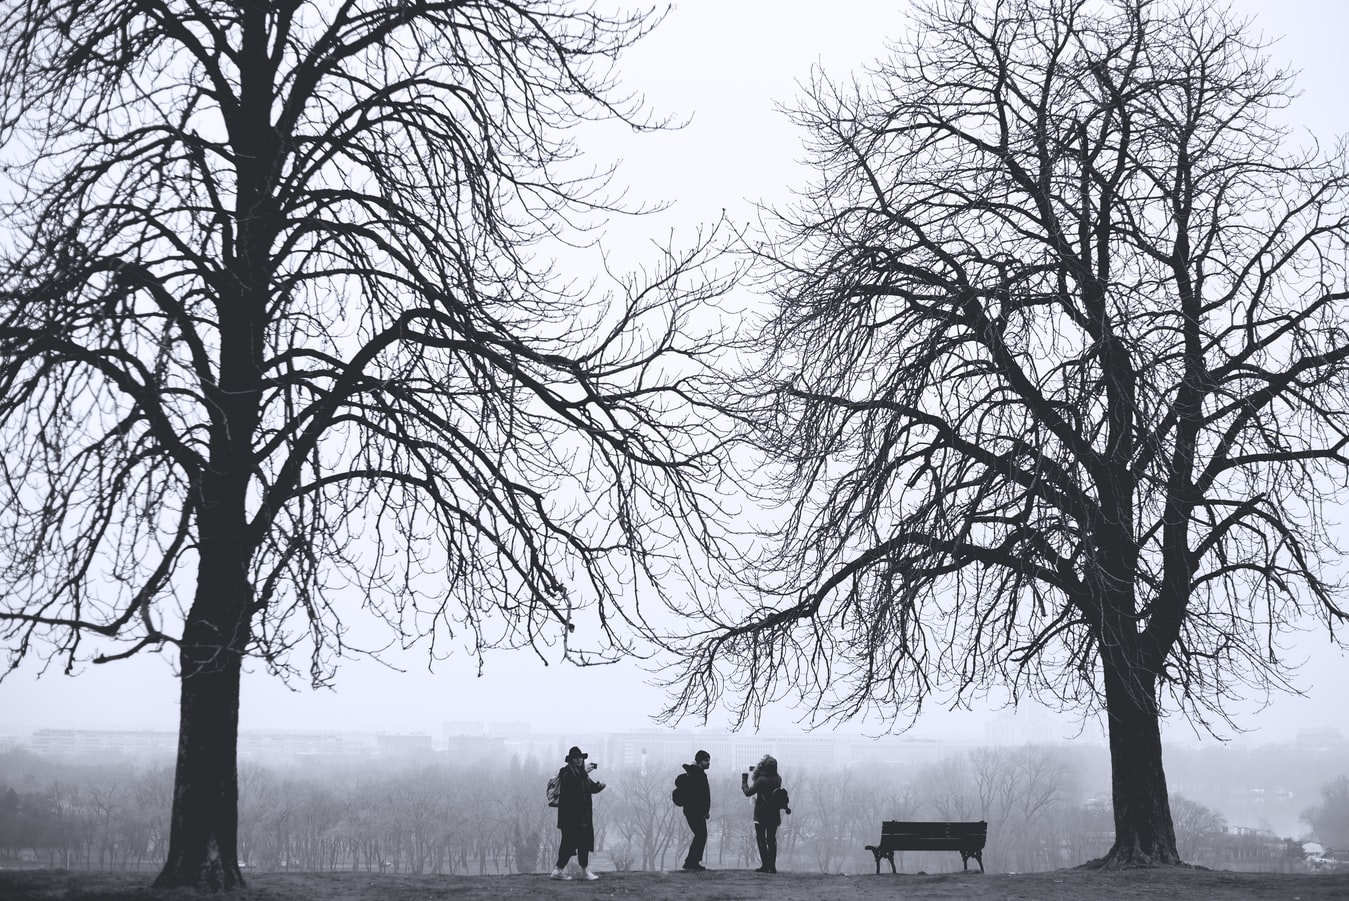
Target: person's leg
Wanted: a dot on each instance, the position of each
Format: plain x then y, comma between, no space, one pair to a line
565,848
584,842
564,851
761,839
771,842
698,825
583,858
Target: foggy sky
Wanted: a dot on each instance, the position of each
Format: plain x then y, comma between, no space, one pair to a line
723,63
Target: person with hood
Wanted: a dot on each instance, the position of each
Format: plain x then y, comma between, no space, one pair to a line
696,797
767,817
575,814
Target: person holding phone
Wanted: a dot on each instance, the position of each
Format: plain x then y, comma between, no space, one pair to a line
576,814
767,818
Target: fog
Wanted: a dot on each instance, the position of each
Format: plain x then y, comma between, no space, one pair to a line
725,69
474,803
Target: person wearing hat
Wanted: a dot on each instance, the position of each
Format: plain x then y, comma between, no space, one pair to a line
575,813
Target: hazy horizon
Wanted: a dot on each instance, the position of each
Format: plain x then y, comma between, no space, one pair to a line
515,687
736,149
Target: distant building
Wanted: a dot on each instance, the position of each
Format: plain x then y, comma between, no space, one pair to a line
1321,739
276,746
415,744
1023,726
86,744
646,749
892,751
480,729
666,750
474,748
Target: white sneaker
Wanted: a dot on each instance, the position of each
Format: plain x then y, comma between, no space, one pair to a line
559,873
586,874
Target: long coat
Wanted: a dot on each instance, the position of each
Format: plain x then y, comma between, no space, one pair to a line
575,809
761,789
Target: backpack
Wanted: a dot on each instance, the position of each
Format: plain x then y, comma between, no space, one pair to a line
677,795
781,800
554,790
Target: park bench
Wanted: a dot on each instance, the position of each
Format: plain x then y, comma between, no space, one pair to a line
898,835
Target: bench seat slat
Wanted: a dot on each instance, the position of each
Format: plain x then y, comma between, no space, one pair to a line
930,844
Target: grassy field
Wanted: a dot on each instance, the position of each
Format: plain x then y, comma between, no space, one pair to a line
715,885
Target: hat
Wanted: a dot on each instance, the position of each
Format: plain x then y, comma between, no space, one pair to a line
576,752
702,755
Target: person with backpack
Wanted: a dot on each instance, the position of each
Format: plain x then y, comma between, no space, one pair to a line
769,802
692,793
576,814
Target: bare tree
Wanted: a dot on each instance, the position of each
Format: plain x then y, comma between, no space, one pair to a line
823,813
1047,786
948,789
1019,789
1056,379
284,344
643,818
1330,819
1197,827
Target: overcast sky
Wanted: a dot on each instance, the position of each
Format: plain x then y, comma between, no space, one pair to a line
724,62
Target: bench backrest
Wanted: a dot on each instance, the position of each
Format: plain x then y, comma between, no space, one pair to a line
927,836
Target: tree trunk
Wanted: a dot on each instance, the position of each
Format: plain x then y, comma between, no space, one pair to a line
204,823
1144,833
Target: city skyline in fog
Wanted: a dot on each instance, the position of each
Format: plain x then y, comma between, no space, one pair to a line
725,65
562,699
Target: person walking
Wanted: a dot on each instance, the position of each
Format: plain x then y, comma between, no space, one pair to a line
767,817
697,797
575,814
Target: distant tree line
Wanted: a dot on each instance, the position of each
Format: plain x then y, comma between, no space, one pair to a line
1330,819
105,817
489,819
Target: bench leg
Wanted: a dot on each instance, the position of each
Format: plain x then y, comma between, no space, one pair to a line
978,857
878,854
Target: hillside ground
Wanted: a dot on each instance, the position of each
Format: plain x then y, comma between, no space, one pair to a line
1159,884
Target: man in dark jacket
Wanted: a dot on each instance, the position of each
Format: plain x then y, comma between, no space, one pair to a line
575,814
697,798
